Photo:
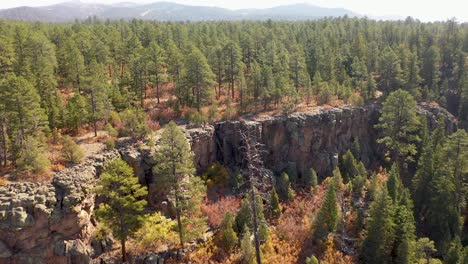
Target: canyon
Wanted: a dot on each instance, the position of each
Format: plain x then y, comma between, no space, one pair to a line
53,222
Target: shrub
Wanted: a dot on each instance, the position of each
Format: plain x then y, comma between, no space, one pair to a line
227,237
110,144
33,157
111,130
156,231
215,211
325,95
71,152
312,260
134,123
356,100
213,112
216,174
196,119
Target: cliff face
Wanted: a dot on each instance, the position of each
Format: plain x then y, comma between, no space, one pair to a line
301,141
53,222
50,222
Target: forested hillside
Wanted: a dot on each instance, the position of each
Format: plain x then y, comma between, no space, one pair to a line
62,84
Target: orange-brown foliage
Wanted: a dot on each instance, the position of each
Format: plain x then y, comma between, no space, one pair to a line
215,210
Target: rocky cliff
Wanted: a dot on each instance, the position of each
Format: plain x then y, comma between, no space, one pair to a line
52,222
301,141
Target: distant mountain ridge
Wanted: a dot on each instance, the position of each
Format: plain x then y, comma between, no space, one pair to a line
166,11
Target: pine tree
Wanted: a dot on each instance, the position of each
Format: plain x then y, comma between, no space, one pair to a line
390,71
455,253
94,84
414,79
71,152
33,156
227,237
198,77
76,113
232,58
311,179
378,243
285,191
430,70
369,88
405,240
174,167
72,63
123,209
22,106
349,166
244,217
275,206
327,218
248,251
399,124
394,184
156,57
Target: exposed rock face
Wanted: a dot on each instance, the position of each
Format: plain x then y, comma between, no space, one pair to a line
301,141
50,223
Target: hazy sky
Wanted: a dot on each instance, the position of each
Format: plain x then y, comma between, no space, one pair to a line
425,10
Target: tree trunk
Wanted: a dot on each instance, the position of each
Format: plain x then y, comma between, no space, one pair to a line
157,87
124,251
255,222
4,145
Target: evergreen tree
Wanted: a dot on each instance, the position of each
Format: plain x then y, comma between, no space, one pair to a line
284,187
369,88
405,240
390,71
430,71
414,79
22,107
248,251
327,218
394,185
311,179
174,166
71,152
93,83
33,156
275,206
232,58
244,217
399,123
198,77
72,63
123,209
227,238
380,232
76,112
156,57
349,166
455,253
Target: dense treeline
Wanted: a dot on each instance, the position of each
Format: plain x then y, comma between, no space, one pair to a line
64,76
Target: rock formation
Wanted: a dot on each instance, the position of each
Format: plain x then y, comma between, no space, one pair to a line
52,222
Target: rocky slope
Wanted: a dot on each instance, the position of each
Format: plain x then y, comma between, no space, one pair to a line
53,223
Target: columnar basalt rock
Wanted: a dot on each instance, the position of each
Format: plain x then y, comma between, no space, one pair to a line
52,222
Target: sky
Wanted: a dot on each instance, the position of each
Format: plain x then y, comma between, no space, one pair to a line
425,10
